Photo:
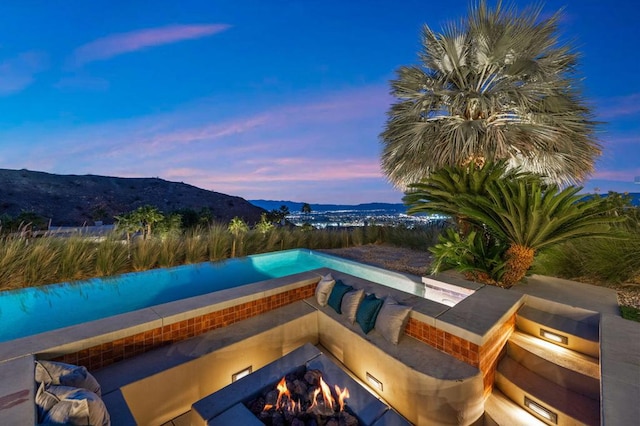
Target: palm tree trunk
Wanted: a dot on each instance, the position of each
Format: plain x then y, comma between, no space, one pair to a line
518,261
233,248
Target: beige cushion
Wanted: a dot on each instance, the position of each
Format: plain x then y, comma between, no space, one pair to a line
59,373
44,401
392,319
350,302
323,289
76,406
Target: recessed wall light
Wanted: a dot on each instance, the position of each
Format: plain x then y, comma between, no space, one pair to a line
242,373
541,411
558,338
374,382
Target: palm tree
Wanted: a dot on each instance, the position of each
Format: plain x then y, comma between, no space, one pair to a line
148,216
498,85
129,224
306,208
264,225
237,226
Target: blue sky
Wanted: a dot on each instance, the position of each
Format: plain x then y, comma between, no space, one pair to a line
261,99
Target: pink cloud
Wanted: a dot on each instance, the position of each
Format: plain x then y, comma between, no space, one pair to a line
19,72
118,44
621,140
283,170
619,106
617,175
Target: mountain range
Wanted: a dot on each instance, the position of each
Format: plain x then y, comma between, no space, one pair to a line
75,200
295,207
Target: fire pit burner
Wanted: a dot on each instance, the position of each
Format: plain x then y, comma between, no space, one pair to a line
303,398
296,400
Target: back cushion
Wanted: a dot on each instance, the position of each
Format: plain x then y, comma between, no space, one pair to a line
323,289
59,373
338,292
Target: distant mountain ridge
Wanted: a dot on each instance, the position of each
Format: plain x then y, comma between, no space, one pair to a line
295,207
75,200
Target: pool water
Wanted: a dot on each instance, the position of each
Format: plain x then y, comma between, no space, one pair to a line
35,310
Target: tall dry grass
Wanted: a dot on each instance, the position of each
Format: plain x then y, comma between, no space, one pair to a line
49,260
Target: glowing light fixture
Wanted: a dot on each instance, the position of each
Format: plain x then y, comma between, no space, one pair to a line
558,338
543,412
374,382
242,373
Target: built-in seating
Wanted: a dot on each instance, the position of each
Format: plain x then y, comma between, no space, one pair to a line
422,383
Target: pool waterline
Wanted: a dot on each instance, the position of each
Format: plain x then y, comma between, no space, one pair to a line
31,311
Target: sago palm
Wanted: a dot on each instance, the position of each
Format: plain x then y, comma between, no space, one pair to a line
497,85
436,194
529,216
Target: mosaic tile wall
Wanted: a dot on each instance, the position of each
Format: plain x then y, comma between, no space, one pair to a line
107,353
484,357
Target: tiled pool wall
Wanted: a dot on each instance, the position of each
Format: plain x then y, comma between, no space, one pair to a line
483,356
105,354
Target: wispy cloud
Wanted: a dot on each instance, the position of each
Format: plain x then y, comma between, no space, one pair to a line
619,106
118,44
626,175
18,73
304,148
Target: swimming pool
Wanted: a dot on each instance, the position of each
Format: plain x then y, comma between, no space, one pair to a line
35,310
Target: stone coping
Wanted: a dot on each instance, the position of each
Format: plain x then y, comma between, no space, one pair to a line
619,370
17,392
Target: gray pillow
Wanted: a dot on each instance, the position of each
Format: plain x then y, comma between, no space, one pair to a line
323,289
350,302
76,407
59,373
392,319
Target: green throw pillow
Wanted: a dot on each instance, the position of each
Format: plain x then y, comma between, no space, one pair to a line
337,293
368,312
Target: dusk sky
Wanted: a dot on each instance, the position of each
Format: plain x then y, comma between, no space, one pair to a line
264,99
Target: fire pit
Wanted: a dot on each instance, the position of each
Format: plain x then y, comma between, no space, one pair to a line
303,387
303,398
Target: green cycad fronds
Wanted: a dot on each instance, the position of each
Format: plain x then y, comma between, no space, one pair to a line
529,214
439,192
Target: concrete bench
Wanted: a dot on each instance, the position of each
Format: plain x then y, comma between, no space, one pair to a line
422,383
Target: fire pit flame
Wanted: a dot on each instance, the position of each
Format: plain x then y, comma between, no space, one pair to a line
326,395
283,390
342,395
325,406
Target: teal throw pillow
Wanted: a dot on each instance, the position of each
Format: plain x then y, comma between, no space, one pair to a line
337,293
368,312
